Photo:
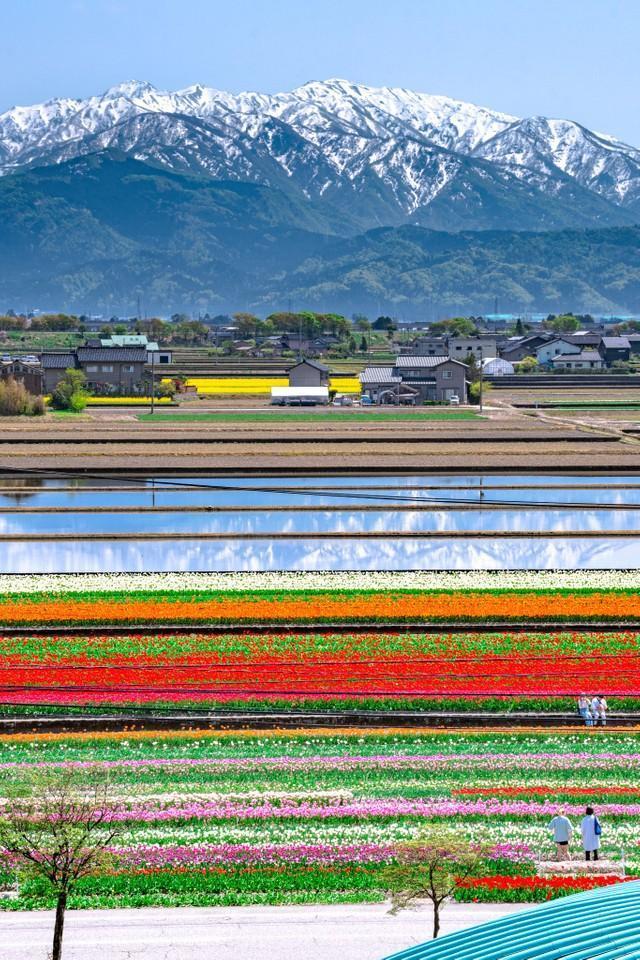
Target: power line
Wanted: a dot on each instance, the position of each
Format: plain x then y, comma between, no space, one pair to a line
173,485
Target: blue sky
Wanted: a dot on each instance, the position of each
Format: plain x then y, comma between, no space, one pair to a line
565,58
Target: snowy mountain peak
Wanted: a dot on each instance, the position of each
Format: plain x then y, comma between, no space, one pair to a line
395,154
135,89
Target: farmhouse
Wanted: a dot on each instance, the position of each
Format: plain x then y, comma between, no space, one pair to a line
614,348
53,368
585,360
155,353
113,370
109,370
28,372
517,348
309,373
553,348
304,346
416,380
459,347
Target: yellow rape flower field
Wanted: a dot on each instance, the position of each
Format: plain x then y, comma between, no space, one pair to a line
126,401
210,386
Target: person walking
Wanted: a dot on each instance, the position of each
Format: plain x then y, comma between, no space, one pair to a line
562,830
584,709
594,708
591,831
602,710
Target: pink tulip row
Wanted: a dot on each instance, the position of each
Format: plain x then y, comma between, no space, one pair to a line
158,856
528,761
365,808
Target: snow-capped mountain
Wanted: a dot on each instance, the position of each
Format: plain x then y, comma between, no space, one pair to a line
371,156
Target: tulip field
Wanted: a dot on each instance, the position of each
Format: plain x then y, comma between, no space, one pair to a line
307,597
269,670
275,659
315,816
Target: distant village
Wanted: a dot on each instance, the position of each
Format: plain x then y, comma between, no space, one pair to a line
396,362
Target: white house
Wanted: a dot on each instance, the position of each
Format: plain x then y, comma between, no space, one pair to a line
547,351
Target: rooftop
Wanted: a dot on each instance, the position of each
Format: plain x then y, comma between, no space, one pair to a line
586,355
125,340
119,354
408,361
58,361
615,343
311,363
378,375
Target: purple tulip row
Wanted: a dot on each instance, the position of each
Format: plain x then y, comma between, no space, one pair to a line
529,761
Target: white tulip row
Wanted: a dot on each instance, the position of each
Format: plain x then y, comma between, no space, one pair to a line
311,580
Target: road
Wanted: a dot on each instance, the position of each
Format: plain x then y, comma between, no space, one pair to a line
362,932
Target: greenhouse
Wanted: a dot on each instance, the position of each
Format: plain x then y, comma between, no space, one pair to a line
598,925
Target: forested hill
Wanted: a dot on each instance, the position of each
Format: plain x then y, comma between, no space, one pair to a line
91,234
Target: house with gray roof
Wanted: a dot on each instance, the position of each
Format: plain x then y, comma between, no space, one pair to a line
155,353
113,370
432,379
582,360
53,367
614,348
109,370
546,352
309,373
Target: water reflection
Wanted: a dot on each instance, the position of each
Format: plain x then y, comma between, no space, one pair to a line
323,521
401,493
79,557
606,499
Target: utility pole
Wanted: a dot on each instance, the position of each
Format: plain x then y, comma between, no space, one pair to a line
481,378
153,399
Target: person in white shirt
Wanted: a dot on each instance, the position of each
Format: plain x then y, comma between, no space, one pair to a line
590,830
584,709
594,708
562,830
602,711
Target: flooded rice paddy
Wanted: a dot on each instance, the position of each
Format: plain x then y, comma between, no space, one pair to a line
50,524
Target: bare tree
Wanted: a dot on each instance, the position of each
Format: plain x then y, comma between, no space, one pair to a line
430,868
61,833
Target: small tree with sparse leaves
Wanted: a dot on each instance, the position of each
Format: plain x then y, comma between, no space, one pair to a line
61,833
431,868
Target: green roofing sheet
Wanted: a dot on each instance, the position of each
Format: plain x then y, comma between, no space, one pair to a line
602,924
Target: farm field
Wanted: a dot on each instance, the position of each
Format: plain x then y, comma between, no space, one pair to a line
267,671
240,386
320,417
314,816
503,439
299,598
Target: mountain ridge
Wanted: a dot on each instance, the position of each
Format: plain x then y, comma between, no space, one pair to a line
377,155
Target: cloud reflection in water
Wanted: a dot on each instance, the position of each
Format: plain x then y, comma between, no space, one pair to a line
192,555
